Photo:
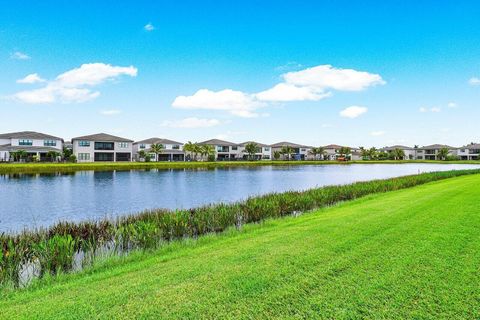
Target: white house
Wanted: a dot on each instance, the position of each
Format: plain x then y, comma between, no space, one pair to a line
34,143
102,147
300,152
264,151
469,152
172,150
224,150
332,152
430,152
410,153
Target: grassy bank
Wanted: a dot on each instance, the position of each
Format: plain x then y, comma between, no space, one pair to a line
412,253
54,250
7,168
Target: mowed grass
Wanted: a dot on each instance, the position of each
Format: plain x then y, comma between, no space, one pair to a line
412,253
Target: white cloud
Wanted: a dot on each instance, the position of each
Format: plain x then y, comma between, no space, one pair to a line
31,78
433,109
377,133
289,92
452,105
19,56
191,123
70,86
474,81
149,27
236,102
353,112
110,112
326,77
311,84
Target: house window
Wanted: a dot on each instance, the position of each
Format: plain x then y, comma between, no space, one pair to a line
142,146
49,143
104,146
123,144
84,143
234,148
25,142
176,147
303,150
83,156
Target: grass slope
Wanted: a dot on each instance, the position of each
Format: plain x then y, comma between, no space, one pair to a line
413,253
7,168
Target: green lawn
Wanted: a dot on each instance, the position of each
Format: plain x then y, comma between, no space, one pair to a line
413,253
6,168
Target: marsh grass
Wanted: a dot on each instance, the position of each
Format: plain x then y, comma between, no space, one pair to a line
48,252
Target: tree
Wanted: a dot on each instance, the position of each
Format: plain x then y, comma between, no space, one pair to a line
208,151
156,148
318,151
365,153
276,155
373,153
443,153
18,155
398,154
287,151
144,155
251,149
345,152
53,155
66,153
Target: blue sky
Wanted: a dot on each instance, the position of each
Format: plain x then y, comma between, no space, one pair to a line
136,69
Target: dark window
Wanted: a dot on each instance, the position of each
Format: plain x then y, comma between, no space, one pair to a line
99,156
49,143
25,142
84,143
122,156
104,146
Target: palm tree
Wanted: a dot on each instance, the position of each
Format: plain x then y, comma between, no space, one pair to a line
344,152
373,153
365,153
207,150
19,155
398,154
317,151
156,148
52,155
288,151
251,149
443,153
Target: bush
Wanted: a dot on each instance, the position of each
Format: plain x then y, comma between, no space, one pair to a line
72,158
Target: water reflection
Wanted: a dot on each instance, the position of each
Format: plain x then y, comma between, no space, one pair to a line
34,200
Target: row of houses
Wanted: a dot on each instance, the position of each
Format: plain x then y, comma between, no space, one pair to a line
105,147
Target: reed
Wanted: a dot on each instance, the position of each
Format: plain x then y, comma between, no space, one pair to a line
58,248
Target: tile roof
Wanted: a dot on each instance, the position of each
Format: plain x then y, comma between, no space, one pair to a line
157,140
104,137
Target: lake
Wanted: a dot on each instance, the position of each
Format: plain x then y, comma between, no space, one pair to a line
40,200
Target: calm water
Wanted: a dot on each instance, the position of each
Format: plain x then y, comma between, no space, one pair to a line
28,201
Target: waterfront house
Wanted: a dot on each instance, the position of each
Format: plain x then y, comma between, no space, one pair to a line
264,151
469,152
430,152
300,152
172,150
35,144
410,152
224,150
102,147
332,152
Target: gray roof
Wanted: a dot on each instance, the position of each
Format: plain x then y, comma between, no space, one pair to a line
9,147
261,145
218,142
436,146
104,137
157,140
472,146
288,144
28,135
334,146
397,147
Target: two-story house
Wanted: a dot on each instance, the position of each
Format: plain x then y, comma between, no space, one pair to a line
431,152
332,152
35,144
469,152
300,152
264,151
172,150
224,150
410,152
102,147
